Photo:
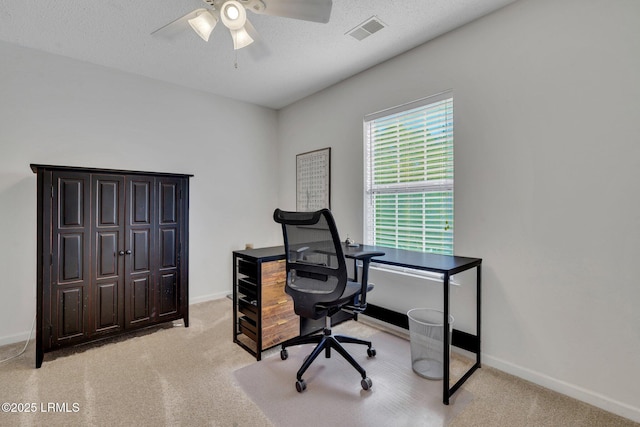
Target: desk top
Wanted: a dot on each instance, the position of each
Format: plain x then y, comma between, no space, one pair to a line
419,260
272,253
436,263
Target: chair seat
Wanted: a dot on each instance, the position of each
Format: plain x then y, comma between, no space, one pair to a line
350,291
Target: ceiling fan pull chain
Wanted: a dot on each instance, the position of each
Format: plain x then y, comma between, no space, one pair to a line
236,61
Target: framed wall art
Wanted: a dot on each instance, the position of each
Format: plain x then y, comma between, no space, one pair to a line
313,180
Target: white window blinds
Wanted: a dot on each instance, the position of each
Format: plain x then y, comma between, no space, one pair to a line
409,176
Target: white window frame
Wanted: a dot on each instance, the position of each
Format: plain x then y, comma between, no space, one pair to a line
425,186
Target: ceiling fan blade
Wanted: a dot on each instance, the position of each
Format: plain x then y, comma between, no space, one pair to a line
251,30
306,10
177,26
257,50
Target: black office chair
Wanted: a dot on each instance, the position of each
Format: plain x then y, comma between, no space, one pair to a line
317,280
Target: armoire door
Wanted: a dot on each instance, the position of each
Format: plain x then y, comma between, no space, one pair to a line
139,250
69,286
170,213
108,250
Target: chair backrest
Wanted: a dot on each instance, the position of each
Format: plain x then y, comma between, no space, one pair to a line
316,267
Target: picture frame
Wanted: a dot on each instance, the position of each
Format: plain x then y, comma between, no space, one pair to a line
313,180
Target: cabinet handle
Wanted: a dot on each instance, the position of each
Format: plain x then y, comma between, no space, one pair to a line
128,252
281,322
284,301
121,253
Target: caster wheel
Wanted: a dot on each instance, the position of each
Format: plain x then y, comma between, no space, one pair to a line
284,354
366,383
301,386
371,352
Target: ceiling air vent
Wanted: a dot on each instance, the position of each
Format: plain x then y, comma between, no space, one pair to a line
368,27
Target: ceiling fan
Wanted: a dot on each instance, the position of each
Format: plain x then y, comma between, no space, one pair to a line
233,15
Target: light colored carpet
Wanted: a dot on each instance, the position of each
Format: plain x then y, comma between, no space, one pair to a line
165,376
334,396
176,376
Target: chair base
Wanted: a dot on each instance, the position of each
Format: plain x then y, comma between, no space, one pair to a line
325,342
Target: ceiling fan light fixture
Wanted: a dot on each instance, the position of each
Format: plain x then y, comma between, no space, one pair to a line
241,38
233,15
203,24
232,12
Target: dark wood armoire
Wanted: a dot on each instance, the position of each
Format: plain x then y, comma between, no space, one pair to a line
112,253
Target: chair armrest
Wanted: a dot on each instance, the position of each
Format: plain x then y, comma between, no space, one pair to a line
365,257
365,254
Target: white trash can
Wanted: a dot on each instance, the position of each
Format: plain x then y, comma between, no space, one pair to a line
427,341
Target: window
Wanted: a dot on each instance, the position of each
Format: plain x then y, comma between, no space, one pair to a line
409,176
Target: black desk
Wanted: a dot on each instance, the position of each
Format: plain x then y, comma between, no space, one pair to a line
446,265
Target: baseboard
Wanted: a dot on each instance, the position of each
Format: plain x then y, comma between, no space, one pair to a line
12,339
20,337
387,327
210,297
571,390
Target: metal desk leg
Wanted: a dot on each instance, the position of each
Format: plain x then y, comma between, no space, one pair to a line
445,350
476,347
478,272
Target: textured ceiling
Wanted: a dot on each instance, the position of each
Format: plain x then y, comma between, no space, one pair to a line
292,58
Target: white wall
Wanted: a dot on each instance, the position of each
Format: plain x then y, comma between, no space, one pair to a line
57,111
547,164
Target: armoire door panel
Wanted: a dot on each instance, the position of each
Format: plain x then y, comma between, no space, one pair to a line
140,202
168,294
107,303
168,203
70,313
169,248
138,298
71,203
71,257
108,202
107,256
141,250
